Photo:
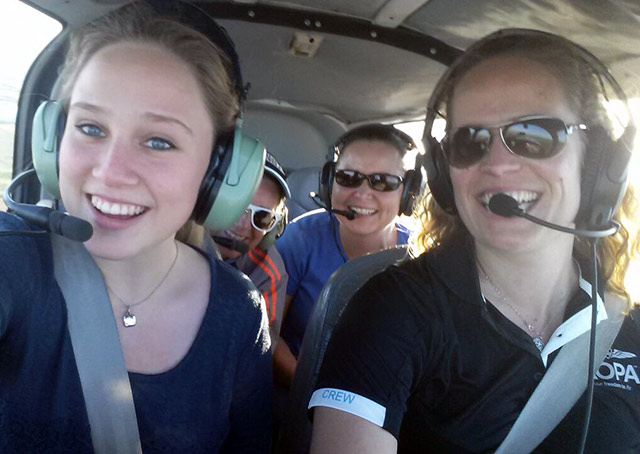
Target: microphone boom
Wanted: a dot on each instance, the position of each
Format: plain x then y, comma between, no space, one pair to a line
53,221
230,243
506,206
350,215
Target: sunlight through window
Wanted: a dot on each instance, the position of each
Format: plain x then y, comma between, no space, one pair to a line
24,31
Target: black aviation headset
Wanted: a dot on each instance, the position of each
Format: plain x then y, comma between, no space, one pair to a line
412,180
604,173
237,161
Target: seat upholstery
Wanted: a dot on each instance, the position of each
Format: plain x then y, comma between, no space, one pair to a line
295,431
302,182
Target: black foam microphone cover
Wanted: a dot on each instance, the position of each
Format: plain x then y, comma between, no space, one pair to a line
504,205
350,215
69,226
54,221
51,220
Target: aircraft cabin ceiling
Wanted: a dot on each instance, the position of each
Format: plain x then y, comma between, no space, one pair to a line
364,60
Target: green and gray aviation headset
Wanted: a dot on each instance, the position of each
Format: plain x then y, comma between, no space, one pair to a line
237,160
273,170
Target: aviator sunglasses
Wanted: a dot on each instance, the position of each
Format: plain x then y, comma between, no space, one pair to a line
263,219
382,182
535,137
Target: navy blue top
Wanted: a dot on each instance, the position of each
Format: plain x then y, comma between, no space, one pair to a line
311,250
217,399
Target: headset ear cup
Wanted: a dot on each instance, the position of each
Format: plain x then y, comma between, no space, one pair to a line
218,165
325,185
604,177
231,180
410,190
590,169
438,176
46,133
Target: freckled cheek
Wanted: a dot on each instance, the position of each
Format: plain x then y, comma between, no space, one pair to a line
460,182
74,166
182,188
571,172
388,199
339,194
188,184
567,173
459,177
571,189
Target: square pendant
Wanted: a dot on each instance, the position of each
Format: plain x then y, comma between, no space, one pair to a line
536,340
129,319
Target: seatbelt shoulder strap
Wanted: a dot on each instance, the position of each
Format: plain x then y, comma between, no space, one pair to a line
563,384
96,347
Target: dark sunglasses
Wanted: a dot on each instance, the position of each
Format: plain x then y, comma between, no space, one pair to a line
263,219
377,181
535,137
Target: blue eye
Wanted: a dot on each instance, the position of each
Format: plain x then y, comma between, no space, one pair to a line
91,130
156,143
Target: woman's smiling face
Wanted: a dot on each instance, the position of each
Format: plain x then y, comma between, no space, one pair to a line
492,93
136,145
375,210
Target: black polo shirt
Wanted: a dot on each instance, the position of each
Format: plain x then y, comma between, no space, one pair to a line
419,352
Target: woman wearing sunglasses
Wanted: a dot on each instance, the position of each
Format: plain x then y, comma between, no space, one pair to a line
363,184
248,244
478,320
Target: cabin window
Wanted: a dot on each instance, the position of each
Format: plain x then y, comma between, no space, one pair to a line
24,32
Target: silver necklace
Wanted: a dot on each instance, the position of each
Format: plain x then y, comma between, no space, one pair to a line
129,319
537,340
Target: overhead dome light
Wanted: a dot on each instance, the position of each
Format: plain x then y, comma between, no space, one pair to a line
305,44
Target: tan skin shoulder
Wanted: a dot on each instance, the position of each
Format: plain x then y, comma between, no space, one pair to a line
339,432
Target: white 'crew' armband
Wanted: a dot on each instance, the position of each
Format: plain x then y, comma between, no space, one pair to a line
349,402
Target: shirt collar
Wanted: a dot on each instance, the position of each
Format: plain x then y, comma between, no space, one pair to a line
455,265
574,326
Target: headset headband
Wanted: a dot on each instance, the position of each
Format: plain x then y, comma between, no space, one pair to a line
498,43
376,132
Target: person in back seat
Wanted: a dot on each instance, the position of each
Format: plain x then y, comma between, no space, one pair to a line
248,245
364,188
144,101
442,353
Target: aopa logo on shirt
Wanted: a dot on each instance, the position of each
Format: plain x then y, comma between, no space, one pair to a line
617,371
